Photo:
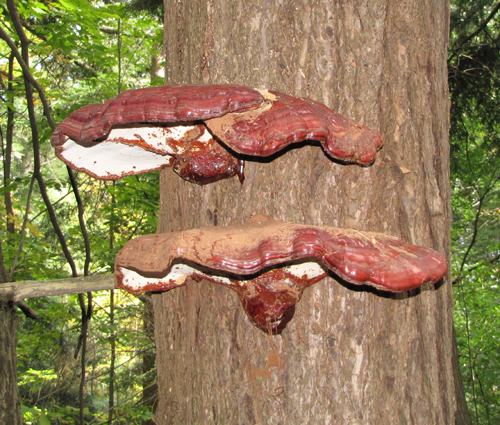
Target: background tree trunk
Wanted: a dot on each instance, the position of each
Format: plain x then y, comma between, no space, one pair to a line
350,355
10,403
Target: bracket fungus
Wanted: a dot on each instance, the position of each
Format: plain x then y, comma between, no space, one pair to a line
152,128
283,120
149,129
269,263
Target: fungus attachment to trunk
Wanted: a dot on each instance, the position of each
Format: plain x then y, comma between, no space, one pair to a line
269,263
201,130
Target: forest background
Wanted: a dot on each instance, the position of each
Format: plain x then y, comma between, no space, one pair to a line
92,356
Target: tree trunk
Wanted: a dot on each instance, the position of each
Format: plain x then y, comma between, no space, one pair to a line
149,385
10,403
350,355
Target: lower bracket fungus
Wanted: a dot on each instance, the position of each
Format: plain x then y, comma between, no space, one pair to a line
199,129
269,263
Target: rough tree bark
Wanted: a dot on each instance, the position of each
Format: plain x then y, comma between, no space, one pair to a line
350,355
10,403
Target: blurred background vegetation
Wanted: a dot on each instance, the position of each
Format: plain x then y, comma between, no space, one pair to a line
83,52
79,52
474,80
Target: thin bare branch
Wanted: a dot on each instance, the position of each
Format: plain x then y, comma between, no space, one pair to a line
27,75
23,231
23,61
7,152
476,220
27,310
3,271
479,29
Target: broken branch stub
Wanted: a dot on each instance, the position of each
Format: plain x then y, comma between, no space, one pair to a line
269,263
149,129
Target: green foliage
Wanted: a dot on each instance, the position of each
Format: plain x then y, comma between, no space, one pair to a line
75,57
80,53
49,375
474,64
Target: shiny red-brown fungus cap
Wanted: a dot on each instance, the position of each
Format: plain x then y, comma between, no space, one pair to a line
167,104
286,119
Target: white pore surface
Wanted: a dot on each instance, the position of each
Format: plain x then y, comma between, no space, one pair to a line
108,160
157,138
308,270
134,282
129,151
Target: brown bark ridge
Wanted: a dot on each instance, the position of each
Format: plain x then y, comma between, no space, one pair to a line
10,403
349,356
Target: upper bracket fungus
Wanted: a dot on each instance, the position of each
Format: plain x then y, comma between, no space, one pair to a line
152,128
269,263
